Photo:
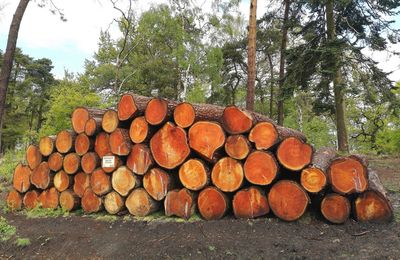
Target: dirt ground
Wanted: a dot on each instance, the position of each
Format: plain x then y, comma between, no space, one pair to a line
77,237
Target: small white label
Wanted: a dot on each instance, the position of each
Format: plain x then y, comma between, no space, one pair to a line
108,162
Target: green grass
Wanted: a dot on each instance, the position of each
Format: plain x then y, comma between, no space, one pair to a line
160,217
103,217
23,242
8,162
45,213
7,231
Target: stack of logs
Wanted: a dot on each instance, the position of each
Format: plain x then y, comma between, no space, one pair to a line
153,153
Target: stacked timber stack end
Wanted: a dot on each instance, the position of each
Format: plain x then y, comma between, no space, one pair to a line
153,154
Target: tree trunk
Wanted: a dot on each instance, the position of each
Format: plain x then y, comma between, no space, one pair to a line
212,203
271,100
8,57
250,203
251,56
338,87
282,62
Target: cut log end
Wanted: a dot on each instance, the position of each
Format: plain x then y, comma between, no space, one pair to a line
49,199
348,175
169,146
100,182
206,137
250,203
90,202
92,126
371,206
113,203
110,121
102,144
71,163
79,117
288,200
31,199
313,179
212,203
264,135
139,159
81,183
126,107
83,144
294,154
157,183
123,181
237,147
40,176
260,168
62,181
227,174
139,130
236,121
139,203
65,141
180,203
21,178
69,201
194,175
14,200
335,208
113,163
46,145
184,115
156,111
33,156
120,142
55,161
90,162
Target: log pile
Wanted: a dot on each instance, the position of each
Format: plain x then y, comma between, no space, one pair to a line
153,154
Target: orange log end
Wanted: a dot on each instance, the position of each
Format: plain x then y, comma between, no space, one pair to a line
102,144
139,203
139,130
81,183
250,203
110,121
82,144
14,200
123,180
264,135
46,145
373,207
288,200
212,203
335,208
113,203
62,181
91,203
21,178
100,182
260,168
69,200
227,174
91,127
109,168
179,203
33,156
49,198
156,111
90,162
31,199
236,121
194,175
55,161
237,147
184,115
126,107
120,142
65,141
71,163
139,159
294,154
313,179
157,183
206,138
78,119
169,146
40,176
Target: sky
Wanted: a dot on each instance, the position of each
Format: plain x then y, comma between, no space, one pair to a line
68,44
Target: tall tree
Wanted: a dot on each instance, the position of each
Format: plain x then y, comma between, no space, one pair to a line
251,56
9,56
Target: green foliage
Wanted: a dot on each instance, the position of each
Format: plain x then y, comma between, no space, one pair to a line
8,162
23,242
64,98
7,231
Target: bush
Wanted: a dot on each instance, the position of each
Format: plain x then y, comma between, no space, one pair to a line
8,162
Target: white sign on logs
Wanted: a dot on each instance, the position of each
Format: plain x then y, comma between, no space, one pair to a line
108,162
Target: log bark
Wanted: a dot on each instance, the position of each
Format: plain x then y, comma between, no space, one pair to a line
81,115
69,200
114,203
65,141
212,203
83,144
261,168
139,203
90,202
31,199
14,200
123,181
227,174
41,177
157,183
237,147
194,174
47,145
180,203
131,105
139,159
314,177
71,163
264,135
114,162
157,112
90,162
348,175
374,204
49,199
22,178
93,126
110,121
294,154
140,131
335,208
206,138
288,200
250,203
62,181
81,183
102,144
120,142
33,156
184,115
100,182
169,146
55,161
